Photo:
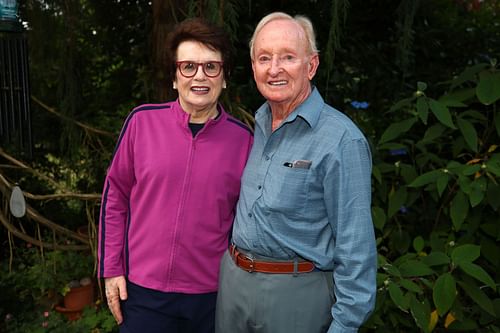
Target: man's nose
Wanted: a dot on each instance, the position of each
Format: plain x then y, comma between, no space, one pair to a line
275,65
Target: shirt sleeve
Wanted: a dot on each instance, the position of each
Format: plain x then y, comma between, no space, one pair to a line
115,204
347,187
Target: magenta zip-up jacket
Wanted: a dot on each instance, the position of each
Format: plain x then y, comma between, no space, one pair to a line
169,199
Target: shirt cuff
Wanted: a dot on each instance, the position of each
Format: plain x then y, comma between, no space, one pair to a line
335,327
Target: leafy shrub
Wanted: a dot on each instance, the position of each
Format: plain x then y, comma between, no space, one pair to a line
33,286
436,208
93,320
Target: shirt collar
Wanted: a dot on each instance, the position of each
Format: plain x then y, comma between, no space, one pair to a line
308,110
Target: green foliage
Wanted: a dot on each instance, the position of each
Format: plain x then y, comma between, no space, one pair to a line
29,293
53,271
440,183
93,320
436,155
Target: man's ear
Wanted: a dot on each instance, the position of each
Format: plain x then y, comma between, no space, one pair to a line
253,70
313,66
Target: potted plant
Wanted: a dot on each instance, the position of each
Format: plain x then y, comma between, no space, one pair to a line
61,279
75,283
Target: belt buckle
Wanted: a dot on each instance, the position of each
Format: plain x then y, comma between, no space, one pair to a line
235,254
252,264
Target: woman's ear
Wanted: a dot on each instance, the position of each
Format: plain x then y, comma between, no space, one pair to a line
174,85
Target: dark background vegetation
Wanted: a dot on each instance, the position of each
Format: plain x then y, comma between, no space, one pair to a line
420,78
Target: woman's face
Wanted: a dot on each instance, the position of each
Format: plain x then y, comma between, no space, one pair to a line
200,92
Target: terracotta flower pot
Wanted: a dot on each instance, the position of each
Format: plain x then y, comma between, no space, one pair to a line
75,300
68,313
79,297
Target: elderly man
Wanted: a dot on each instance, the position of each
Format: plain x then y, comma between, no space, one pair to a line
303,257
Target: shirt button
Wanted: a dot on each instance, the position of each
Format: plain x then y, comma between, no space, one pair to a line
249,214
259,187
267,158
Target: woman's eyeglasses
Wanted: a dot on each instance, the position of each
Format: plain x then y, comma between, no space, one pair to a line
190,68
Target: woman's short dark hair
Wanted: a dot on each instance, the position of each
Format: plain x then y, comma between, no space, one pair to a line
198,30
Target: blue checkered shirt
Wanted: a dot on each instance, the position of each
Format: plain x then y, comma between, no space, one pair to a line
306,191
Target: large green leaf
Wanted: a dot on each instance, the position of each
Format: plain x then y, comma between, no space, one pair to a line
444,293
392,270
450,102
465,253
468,74
469,133
405,257
478,273
466,325
414,268
426,178
436,258
454,166
441,112
478,296
469,170
465,184
396,129
423,109
488,89
410,286
459,209
396,201
493,166
379,217
408,172
421,314
442,182
418,244
397,296
457,97
402,103
478,191
433,132
473,114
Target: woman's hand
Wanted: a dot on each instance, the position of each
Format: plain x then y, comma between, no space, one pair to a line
116,290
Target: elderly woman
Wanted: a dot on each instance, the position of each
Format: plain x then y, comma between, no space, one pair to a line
170,194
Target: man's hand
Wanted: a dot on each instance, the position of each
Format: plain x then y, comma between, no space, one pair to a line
116,290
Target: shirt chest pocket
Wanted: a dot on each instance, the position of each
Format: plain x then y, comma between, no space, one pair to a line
286,189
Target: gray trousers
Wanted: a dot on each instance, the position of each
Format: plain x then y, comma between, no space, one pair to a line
272,303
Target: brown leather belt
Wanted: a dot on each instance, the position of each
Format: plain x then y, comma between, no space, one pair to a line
273,267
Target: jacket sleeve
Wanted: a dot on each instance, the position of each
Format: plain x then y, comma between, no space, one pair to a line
114,213
348,198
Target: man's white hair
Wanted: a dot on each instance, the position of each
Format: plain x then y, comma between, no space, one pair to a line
304,22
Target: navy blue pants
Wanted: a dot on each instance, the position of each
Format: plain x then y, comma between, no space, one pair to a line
152,311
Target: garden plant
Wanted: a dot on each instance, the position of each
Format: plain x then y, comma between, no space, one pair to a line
420,78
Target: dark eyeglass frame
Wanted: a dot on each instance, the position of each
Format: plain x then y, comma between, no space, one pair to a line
198,64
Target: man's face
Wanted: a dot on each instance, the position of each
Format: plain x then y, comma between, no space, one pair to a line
281,64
